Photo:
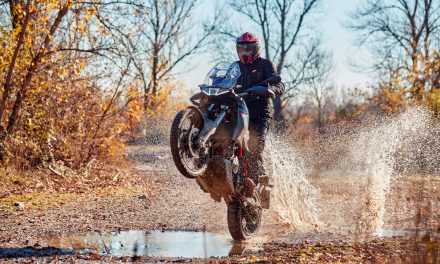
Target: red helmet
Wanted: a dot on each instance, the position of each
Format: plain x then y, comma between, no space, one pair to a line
248,47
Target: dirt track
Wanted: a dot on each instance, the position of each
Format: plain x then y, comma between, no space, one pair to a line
162,199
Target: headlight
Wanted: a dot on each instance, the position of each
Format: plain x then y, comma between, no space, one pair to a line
214,91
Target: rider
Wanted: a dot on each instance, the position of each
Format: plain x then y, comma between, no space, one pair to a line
254,70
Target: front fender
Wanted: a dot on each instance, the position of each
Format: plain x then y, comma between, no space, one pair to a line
196,97
196,109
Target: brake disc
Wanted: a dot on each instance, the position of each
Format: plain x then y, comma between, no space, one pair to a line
192,138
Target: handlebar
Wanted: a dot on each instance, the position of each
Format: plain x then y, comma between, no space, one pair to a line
242,94
255,90
259,91
256,95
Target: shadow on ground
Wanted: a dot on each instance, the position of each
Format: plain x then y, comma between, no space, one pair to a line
26,252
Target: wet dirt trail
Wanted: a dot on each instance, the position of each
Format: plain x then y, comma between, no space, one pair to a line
132,224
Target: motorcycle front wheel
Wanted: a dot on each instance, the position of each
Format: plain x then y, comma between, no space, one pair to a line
244,218
187,156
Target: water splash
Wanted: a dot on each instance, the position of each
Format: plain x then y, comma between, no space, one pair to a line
293,196
358,167
363,164
372,155
365,161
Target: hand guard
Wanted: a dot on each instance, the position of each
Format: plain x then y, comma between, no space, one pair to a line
268,94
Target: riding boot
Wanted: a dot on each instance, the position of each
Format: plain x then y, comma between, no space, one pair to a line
258,130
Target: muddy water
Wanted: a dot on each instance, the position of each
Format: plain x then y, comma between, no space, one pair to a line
408,233
171,244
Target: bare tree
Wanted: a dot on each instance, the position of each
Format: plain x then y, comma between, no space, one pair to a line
404,36
169,37
320,84
301,70
282,24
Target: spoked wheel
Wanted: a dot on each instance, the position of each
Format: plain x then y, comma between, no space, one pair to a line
244,217
188,157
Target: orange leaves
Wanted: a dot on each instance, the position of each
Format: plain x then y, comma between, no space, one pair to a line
70,111
90,13
18,14
433,100
392,99
134,112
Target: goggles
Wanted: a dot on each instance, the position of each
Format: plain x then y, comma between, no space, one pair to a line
243,47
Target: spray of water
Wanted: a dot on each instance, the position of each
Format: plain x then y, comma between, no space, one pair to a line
370,157
293,196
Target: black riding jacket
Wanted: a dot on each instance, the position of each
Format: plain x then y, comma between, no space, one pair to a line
254,73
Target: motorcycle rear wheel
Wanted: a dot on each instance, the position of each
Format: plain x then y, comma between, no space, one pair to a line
243,220
184,131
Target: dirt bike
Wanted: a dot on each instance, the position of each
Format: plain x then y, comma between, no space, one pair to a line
209,144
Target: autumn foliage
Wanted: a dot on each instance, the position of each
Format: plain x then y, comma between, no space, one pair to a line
80,79
59,99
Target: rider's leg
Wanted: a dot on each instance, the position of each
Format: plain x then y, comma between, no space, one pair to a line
258,128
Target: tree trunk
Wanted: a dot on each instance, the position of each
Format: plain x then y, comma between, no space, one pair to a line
154,79
319,117
278,108
7,86
277,102
31,70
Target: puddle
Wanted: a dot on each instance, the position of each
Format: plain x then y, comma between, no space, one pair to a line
171,244
407,233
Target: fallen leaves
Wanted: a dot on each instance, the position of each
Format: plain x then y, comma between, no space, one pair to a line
385,250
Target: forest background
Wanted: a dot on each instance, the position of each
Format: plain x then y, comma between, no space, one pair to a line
81,80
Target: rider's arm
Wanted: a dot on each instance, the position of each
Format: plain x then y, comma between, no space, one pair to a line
269,70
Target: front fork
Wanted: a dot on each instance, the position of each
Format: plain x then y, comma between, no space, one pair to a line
247,185
240,154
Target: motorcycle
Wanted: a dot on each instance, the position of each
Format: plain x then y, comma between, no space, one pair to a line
209,142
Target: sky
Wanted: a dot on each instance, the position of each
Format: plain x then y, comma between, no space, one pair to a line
337,38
